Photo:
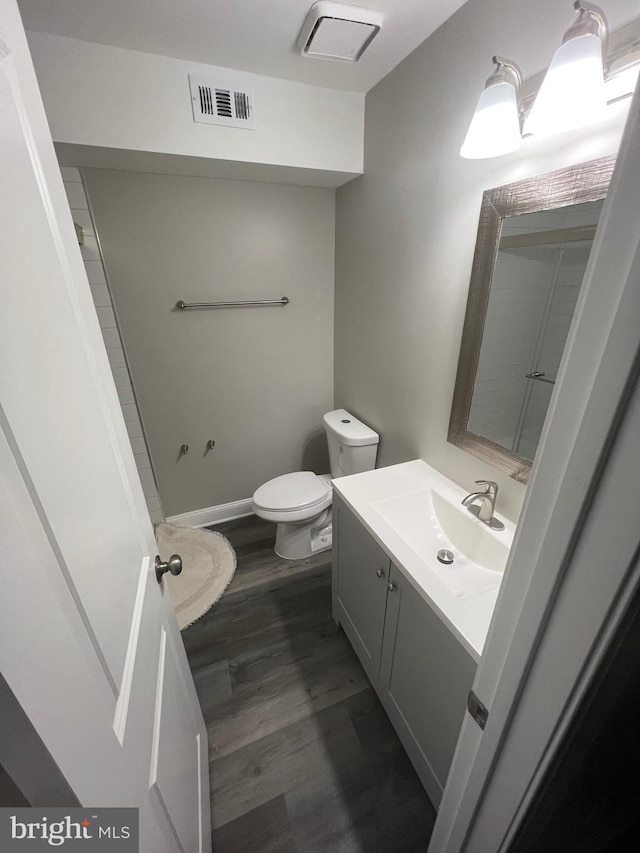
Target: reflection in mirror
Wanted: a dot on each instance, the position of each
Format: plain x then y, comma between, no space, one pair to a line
532,249
539,268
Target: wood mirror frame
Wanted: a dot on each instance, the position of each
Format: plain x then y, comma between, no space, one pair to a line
574,185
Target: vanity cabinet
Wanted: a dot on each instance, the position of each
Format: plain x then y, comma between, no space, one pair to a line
420,670
425,678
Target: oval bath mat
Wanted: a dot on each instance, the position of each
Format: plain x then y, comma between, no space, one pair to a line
208,564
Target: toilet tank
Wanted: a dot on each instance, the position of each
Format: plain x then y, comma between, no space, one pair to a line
352,445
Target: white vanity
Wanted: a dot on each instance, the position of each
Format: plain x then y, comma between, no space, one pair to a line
417,624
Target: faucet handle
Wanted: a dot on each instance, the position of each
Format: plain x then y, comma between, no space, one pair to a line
492,488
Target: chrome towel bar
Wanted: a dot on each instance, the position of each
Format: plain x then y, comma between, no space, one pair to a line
183,306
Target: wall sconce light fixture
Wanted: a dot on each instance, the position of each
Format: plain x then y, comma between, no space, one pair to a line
572,93
495,126
581,80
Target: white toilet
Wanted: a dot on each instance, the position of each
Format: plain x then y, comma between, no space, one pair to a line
300,503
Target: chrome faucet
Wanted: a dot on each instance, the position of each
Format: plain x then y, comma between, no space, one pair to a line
486,504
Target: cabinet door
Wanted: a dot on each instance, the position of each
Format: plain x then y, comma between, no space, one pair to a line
425,677
361,574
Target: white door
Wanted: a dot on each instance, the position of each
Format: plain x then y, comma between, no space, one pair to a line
88,641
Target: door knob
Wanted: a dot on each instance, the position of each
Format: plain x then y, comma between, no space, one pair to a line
391,586
173,565
379,573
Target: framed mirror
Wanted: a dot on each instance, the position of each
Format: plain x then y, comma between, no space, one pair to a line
533,244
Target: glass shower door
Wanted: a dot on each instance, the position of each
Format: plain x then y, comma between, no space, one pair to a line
570,264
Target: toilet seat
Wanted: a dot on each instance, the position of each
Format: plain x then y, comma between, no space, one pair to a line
293,497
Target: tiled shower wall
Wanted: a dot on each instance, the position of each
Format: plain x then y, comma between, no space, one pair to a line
521,281
102,299
516,305
562,308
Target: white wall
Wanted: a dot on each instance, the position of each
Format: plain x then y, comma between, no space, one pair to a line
94,266
406,230
96,95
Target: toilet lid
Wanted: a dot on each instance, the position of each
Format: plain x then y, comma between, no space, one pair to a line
291,491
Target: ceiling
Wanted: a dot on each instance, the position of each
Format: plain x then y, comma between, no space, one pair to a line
247,35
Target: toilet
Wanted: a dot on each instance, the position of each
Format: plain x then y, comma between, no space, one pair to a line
300,503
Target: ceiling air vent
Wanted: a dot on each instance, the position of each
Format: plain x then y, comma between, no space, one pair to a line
338,31
222,102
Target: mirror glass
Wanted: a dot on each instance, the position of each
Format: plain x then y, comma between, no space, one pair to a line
536,280
532,249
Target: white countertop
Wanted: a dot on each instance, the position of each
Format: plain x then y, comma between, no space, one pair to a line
467,618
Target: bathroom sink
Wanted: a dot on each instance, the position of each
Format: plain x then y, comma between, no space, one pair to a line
430,522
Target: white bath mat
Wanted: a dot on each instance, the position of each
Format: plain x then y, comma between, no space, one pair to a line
208,564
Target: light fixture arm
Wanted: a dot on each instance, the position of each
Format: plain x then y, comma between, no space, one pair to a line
506,72
591,20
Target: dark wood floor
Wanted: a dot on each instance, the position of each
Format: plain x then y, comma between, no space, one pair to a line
302,756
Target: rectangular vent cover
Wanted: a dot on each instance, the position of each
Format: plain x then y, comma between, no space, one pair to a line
222,102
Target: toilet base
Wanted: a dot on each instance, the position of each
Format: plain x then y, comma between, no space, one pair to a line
299,540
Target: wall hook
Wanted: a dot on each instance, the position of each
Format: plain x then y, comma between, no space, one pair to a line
184,449
210,444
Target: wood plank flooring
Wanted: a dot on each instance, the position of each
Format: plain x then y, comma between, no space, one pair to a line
302,756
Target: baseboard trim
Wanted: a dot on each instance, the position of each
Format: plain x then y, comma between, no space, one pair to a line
213,514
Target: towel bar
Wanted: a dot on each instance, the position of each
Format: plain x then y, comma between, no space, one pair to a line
236,304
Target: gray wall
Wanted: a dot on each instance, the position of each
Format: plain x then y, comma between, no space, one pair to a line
256,380
405,230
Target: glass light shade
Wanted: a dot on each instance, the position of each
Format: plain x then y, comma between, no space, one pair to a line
495,126
572,94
